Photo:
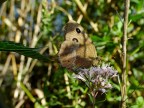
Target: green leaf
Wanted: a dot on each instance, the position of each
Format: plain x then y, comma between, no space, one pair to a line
21,49
136,17
139,103
37,105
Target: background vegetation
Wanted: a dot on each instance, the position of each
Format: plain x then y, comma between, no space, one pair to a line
27,83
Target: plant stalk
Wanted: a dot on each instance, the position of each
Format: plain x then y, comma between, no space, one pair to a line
124,56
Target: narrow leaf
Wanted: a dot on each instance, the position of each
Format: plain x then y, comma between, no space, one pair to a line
21,49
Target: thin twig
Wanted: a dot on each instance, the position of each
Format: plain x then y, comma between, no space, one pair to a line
64,11
82,9
67,86
5,68
124,58
81,16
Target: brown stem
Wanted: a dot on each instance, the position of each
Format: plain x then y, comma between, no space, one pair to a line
82,9
124,58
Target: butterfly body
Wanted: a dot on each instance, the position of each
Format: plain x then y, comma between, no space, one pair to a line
77,50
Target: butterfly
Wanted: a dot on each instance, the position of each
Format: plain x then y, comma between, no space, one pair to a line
77,49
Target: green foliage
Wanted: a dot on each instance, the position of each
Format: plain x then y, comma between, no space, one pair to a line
139,103
38,24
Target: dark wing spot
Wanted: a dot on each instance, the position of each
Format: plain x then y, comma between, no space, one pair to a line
75,40
78,30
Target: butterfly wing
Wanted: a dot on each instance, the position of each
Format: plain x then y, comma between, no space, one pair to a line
67,54
77,50
85,55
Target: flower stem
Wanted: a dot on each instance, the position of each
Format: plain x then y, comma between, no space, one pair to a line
94,94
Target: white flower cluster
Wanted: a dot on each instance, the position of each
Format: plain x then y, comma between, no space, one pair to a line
97,78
